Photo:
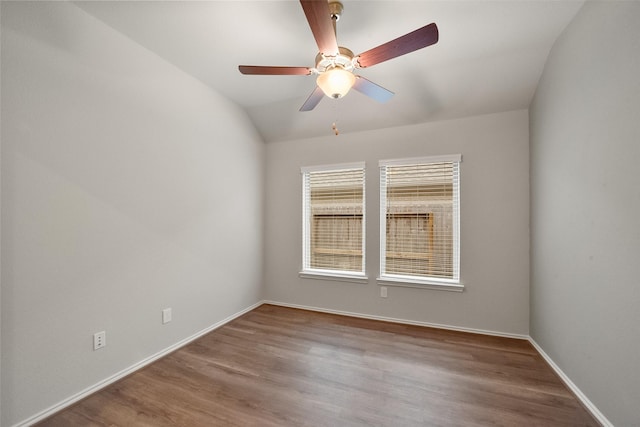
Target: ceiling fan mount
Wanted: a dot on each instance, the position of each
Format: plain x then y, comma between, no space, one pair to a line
335,9
335,64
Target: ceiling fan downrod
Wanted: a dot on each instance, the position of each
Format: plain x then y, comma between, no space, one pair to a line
335,10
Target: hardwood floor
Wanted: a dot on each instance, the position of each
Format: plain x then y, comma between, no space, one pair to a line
279,366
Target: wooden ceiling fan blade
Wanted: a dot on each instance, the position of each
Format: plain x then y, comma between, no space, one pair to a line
274,71
313,100
319,19
410,42
372,90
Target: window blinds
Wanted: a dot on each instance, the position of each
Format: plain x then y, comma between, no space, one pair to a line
333,219
419,218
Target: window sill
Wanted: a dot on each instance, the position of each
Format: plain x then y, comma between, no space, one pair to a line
334,276
420,284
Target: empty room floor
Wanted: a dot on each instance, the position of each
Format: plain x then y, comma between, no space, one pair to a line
277,366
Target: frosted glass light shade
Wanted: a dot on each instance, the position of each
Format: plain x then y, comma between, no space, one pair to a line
336,82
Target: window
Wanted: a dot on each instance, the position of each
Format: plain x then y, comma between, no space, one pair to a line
333,221
419,221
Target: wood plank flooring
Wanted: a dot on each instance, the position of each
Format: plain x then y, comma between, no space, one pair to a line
277,366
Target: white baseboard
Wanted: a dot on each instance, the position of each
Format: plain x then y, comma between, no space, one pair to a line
141,364
110,380
599,416
402,321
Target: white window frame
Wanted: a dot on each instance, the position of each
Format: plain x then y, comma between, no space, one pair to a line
326,274
453,284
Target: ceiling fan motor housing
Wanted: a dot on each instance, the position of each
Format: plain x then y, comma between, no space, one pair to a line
343,60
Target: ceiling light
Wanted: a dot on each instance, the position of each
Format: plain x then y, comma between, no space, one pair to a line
336,82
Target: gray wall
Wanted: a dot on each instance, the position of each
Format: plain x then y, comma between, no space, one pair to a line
0,231
585,207
494,222
127,187
112,209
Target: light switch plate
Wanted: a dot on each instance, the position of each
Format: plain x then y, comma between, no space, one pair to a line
166,315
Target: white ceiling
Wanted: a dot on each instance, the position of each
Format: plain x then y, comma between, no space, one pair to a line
489,57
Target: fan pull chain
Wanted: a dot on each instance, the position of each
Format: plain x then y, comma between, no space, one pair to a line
336,110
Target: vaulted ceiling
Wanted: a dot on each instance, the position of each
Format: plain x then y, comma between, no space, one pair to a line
489,57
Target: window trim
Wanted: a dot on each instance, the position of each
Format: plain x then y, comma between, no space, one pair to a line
415,282
332,275
328,274
424,282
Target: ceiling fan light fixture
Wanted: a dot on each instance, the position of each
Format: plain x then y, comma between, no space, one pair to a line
336,82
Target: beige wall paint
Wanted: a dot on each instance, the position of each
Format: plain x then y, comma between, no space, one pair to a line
494,222
120,178
585,207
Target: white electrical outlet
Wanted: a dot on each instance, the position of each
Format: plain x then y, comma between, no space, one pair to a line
99,340
383,291
166,315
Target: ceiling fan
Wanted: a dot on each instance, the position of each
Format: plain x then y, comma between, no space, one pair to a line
335,64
